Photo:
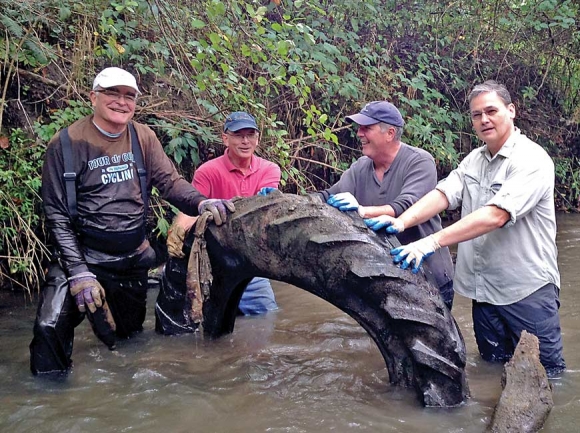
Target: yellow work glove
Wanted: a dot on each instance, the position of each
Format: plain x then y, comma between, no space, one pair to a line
175,238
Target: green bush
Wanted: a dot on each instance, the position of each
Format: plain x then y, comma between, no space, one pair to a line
300,66
22,246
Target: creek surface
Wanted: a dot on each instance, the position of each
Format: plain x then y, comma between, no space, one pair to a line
305,368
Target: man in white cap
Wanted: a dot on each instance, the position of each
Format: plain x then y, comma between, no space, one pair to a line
237,173
96,180
388,179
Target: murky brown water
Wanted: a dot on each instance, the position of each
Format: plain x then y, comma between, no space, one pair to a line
305,368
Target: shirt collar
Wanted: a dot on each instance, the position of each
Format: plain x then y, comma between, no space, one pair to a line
508,147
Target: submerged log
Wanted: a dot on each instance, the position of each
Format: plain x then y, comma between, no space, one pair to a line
331,254
526,399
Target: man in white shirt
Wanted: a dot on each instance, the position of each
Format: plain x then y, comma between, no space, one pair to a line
507,255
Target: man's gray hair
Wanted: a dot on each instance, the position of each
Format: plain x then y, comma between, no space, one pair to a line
398,129
491,86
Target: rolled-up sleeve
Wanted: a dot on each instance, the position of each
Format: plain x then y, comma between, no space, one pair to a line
525,184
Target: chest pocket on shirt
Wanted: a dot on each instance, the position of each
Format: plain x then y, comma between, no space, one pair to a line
489,191
494,188
471,193
480,191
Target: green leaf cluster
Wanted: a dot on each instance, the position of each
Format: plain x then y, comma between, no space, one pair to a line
300,66
21,241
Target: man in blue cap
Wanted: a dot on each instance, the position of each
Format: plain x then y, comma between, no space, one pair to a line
388,179
237,173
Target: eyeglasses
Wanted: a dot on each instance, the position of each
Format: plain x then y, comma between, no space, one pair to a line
240,136
117,96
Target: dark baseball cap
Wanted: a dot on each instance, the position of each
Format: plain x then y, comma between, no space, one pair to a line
378,111
240,120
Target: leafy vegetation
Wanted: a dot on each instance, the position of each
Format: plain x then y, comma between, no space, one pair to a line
22,249
299,66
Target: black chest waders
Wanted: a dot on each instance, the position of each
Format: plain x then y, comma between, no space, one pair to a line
57,315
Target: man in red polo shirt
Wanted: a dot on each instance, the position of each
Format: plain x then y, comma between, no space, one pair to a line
238,172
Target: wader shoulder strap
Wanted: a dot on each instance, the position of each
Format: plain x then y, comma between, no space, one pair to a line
138,155
70,177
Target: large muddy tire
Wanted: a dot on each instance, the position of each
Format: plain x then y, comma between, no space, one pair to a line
333,255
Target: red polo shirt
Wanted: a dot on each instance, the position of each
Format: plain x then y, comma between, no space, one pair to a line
219,178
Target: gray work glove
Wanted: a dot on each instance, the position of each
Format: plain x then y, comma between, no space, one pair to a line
175,239
87,291
218,208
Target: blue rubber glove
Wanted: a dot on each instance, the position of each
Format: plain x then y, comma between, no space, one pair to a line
393,225
218,209
344,201
414,253
87,291
266,190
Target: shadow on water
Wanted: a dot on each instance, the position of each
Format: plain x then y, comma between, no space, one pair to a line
305,368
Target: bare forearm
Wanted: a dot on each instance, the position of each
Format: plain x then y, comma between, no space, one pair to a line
427,207
478,223
375,211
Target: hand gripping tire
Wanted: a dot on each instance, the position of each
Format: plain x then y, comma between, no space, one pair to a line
333,255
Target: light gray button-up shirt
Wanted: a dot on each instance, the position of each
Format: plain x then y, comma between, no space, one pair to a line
510,263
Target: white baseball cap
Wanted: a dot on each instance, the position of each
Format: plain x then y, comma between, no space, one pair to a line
111,77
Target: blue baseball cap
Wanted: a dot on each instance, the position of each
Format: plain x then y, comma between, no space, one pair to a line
240,120
378,111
